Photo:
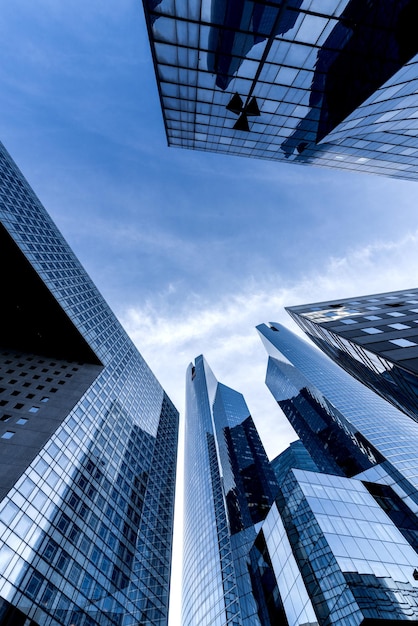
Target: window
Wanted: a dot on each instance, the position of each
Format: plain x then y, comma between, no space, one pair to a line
50,550
348,321
371,330
396,314
63,561
5,417
8,434
34,584
403,343
398,326
22,421
34,409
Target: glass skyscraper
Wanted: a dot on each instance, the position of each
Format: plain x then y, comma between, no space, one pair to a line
340,543
346,428
229,488
303,81
374,338
88,440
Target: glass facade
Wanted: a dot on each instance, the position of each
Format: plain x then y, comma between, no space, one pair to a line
296,456
88,441
229,488
303,81
335,555
374,338
337,415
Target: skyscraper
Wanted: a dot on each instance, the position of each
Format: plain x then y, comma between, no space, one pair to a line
88,440
340,543
374,338
229,488
346,428
330,84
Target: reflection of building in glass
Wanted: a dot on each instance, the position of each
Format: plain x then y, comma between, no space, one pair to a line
310,84
345,427
88,441
328,554
296,456
229,488
334,538
340,543
374,338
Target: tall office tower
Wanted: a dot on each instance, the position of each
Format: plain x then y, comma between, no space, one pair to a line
374,338
88,440
302,81
346,428
229,488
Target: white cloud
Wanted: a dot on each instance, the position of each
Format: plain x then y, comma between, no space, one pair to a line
221,326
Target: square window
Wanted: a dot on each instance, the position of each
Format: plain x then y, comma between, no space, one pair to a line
45,399
403,343
3,402
8,434
372,318
371,330
5,418
34,409
396,314
348,321
30,396
398,326
22,421
19,405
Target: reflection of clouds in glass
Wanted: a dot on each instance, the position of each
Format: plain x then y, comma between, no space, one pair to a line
242,25
369,44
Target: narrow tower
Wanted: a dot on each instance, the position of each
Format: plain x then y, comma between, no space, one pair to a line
229,488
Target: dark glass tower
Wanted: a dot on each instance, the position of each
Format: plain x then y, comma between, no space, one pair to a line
315,82
374,338
229,488
88,440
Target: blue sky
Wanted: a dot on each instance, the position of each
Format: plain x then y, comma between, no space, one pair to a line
190,249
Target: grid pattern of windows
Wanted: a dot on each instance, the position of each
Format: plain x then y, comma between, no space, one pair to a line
335,554
312,82
86,527
370,419
382,355
229,488
210,593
